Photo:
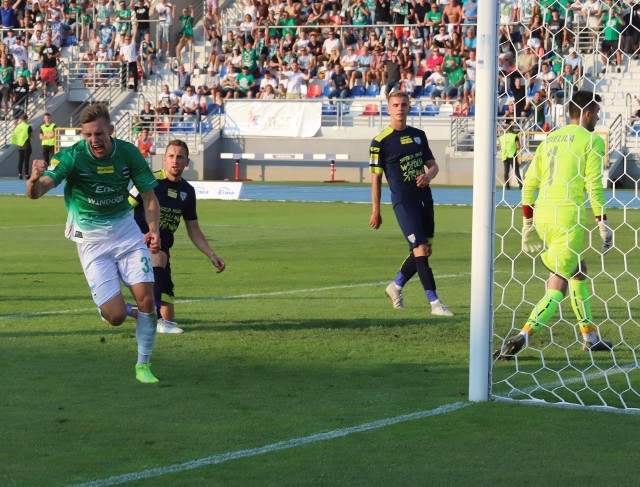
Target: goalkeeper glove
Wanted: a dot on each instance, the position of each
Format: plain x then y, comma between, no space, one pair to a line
606,234
531,242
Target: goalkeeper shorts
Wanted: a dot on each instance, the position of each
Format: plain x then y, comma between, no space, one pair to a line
563,247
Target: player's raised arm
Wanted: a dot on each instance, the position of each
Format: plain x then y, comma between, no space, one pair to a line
38,185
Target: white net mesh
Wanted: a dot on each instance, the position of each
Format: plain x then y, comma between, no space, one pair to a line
593,50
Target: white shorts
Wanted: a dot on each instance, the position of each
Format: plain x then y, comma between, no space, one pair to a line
123,257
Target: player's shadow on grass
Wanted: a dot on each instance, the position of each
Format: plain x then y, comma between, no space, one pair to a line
329,324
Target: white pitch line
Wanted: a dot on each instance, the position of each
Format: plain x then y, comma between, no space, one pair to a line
272,447
221,298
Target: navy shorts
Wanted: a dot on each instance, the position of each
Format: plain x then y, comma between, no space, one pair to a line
416,221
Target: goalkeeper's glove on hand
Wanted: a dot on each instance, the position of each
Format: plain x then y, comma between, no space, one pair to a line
531,241
606,234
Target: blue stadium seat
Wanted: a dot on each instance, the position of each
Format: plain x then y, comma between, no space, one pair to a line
427,90
326,90
430,110
372,90
635,130
223,71
328,109
358,90
417,92
205,127
415,110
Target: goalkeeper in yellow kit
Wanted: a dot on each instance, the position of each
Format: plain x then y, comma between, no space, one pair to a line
566,165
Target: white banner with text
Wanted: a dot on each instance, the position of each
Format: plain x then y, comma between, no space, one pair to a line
272,118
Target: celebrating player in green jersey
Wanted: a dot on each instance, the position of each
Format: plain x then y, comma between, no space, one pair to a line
98,171
566,165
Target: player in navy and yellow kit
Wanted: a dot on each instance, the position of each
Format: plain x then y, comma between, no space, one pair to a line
565,167
401,153
177,200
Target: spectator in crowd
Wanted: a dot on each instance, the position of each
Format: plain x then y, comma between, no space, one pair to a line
141,25
349,63
330,43
20,97
470,79
108,36
470,12
392,72
123,18
416,46
6,78
166,11
49,61
9,15
211,84
382,14
527,63
147,117
164,106
419,17
186,37
339,83
442,38
294,78
408,82
536,106
470,41
147,54
146,145
455,77
365,62
452,16
184,79
190,104
610,47
574,62
266,81
245,83
129,56
431,64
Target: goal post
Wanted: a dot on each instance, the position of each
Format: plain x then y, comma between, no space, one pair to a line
483,223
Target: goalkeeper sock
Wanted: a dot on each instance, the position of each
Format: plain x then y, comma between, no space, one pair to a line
145,335
579,293
543,312
406,272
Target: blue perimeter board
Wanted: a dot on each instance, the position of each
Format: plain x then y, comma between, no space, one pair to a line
337,192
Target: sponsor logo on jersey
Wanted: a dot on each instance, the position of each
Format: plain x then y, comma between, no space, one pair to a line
78,234
405,139
106,201
105,170
172,193
104,188
126,173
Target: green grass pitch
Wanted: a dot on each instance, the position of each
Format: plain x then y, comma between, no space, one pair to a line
295,338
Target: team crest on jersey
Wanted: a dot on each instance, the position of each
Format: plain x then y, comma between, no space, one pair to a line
172,193
183,196
126,173
416,140
105,170
412,238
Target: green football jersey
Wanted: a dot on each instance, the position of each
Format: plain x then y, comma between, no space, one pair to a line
566,164
97,190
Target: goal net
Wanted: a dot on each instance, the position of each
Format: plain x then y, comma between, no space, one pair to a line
543,59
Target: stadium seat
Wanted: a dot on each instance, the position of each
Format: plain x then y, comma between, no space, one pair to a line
635,130
358,91
372,90
328,109
314,91
336,19
205,127
415,110
224,71
371,110
430,110
427,90
417,92
446,110
326,90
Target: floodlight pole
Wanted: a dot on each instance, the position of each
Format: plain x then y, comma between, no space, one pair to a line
484,170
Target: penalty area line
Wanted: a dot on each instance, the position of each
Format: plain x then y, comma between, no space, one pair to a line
272,447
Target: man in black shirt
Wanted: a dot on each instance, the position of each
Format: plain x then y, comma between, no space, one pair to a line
392,68
20,97
148,117
340,83
177,200
142,20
